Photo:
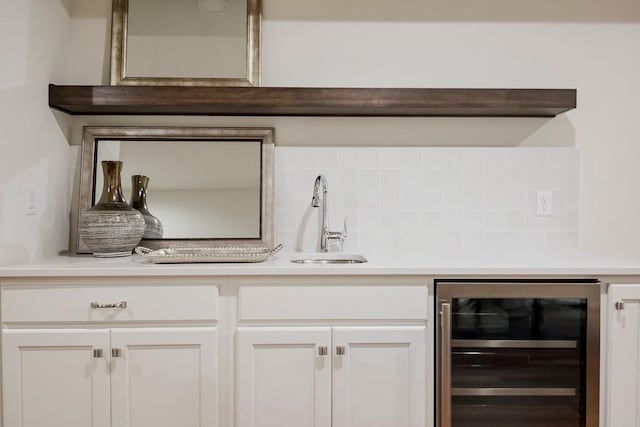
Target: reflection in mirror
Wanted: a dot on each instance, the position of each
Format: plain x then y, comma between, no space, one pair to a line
202,187
186,38
197,189
186,42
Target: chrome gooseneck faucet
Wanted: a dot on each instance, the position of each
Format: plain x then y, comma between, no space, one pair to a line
316,202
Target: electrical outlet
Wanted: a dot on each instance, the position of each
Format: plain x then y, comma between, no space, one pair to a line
544,204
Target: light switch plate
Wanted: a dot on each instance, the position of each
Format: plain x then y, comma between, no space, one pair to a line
31,208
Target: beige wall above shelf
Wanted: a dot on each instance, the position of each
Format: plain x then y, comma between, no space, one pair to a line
286,101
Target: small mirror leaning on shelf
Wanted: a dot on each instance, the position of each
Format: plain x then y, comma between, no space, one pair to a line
186,42
195,187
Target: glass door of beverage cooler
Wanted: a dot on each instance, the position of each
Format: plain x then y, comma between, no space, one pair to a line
518,354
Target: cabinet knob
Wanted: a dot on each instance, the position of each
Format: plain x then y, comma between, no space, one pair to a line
116,352
97,353
340,350
121,304
323,350
619,305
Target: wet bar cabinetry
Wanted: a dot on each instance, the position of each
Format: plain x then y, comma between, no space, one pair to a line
112,351
106,353
346,354
209,351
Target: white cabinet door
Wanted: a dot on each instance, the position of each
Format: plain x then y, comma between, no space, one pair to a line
53,378
164,377
283,380
624,357
379,377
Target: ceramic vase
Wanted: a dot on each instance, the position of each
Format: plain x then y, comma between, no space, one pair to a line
153,226
111,228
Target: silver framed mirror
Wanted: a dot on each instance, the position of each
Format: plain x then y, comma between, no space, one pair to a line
186,42
208,187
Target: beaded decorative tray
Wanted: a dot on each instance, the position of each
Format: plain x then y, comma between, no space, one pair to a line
218,254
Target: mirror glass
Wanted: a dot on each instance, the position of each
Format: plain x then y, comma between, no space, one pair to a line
197,189
187,38
203,187
186,42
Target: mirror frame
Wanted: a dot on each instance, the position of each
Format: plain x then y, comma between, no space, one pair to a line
93,134
119,53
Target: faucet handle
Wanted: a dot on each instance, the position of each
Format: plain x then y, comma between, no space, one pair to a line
337,236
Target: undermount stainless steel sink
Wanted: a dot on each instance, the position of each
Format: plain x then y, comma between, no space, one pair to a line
328,258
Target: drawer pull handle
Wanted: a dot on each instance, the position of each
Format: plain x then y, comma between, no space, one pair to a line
97,353
121,304
116,352
340,350
323,350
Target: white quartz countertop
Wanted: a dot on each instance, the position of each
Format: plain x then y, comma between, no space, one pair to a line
435,265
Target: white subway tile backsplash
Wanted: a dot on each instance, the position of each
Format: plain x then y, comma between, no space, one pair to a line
390,158
453,179
573,222
556,240
409,200
430,198
431,178
410,179
514,221
455,159
389,199
390,179
349,158
493,221
411,158
535,240
432,159
369,158
369,178
473,199
390,221
348,179
573,240
411,221
431,221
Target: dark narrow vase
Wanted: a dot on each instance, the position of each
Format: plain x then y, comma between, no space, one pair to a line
111,228
153,226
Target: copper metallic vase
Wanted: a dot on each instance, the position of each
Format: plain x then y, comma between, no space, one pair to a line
153,228
111,228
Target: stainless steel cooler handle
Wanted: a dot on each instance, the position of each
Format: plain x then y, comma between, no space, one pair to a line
445,364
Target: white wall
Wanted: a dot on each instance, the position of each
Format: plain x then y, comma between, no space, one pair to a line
590,45
34,151
600,60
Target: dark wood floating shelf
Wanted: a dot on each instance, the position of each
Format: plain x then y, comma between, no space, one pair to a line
289,101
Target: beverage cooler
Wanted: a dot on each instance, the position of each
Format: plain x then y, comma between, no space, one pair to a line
518,353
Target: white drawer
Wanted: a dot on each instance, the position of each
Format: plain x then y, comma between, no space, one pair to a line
144,302
333,302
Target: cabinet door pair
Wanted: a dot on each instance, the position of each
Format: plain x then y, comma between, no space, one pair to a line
623,375
161,377
368,376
